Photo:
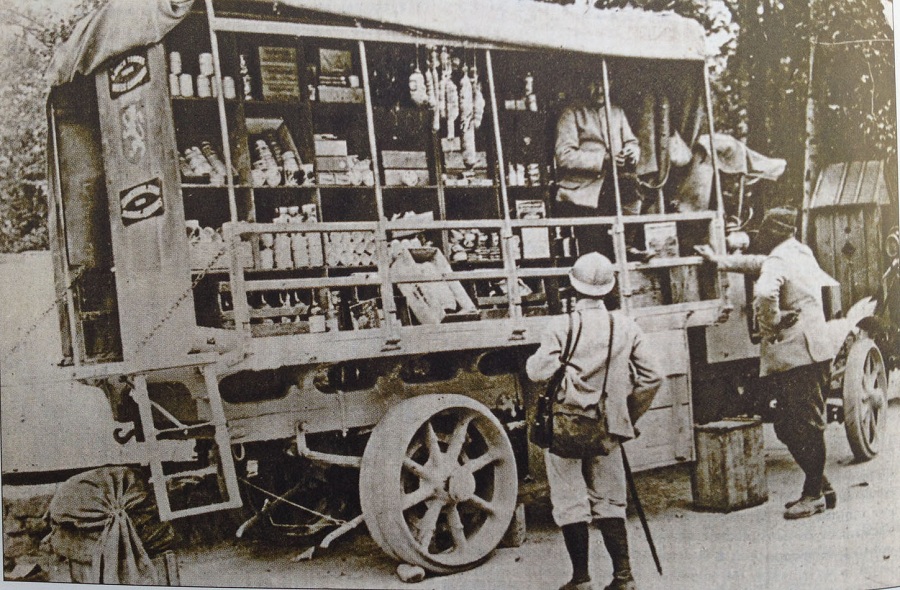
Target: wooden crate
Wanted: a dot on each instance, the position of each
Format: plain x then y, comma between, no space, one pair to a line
730,472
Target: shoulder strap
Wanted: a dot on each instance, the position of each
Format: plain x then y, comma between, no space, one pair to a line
608,352
571,351
567,349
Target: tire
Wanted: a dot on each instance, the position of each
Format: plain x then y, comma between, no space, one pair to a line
438,483
865,399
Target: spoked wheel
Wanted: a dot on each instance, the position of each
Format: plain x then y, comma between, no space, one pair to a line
438,482
865,398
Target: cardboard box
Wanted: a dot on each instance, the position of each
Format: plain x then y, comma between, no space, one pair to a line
403,160
258,127
406,177
433,302
338,178
340,94
454,161
331,147
535,240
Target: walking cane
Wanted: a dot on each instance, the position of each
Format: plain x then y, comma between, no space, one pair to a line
640,509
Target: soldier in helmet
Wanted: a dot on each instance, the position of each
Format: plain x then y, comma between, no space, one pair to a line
794,350
594,488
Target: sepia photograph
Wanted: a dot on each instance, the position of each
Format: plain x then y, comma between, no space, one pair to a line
450,294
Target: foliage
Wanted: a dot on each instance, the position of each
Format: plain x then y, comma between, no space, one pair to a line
30,38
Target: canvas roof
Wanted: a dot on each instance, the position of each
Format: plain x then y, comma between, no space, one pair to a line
111,30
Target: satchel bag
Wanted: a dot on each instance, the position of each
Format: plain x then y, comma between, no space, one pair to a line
583,432
541,431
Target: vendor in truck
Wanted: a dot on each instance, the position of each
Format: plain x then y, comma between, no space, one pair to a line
584,160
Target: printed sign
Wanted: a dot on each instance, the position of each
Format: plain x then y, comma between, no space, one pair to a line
129,73
134,132
141,202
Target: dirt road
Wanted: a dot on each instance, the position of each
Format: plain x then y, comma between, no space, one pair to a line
856,546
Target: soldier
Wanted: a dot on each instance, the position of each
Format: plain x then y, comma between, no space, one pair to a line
582,490
794,352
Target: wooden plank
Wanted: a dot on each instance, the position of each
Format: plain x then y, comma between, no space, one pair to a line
871,216
823,228
152,258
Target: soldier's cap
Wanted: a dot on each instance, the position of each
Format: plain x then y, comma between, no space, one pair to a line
780,221
593,275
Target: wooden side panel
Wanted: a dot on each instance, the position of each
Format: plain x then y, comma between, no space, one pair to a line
824,240
147,217
872,244
666,430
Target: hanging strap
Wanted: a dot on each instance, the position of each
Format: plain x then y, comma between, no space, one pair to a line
570,345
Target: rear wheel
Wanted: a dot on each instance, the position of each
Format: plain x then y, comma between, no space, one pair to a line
438,482
865,398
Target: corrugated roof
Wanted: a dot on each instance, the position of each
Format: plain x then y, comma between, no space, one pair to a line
851,183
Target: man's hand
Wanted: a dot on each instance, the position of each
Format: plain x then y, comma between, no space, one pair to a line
706,251
627,157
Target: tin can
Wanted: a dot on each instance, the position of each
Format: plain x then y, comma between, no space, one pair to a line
206,64
229,90
204,88
186,84
175,63
174,85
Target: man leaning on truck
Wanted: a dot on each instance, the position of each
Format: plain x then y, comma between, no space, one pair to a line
794,351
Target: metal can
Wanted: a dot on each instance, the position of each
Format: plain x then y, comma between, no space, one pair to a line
229,90
174,85
206,64
204,88
175,63
186,84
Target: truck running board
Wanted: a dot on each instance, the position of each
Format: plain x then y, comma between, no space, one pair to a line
221,461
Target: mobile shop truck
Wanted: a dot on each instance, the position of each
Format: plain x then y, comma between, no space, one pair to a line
317,243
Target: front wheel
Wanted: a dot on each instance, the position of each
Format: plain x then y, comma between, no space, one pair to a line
865,399
438,482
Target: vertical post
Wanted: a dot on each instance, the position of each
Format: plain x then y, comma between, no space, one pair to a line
509,264
619,228
382,253
810,148
78,352
717,227
223,116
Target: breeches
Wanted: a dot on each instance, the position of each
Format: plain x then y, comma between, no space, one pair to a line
585,489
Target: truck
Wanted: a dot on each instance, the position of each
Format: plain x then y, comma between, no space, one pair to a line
317,243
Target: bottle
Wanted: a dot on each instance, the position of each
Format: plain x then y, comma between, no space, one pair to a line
245,78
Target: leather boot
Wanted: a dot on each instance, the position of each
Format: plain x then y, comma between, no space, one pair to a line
827,491
615,537
577,540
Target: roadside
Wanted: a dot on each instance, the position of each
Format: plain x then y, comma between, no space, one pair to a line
856,546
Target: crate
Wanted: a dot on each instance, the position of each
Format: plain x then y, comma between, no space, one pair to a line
730,472
432,302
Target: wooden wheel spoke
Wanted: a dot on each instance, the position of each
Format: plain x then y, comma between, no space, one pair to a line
457,530
428,524
432,443
482,504
457,440
416,469
481,461
423,493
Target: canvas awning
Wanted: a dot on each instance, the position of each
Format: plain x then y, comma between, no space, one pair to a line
121,25
626,32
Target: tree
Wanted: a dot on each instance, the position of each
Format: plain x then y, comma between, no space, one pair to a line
30,37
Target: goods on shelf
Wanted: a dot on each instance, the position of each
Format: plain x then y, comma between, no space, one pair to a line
431,302
519,174
405,168
352,248
337,82
203,85
336,168
203,165
278,73
461,169
474,245
527,101
284,250
275,157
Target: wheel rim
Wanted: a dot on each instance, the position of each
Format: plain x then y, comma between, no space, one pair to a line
448,483
865,398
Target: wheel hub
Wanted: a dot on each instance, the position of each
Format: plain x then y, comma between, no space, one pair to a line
461,485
